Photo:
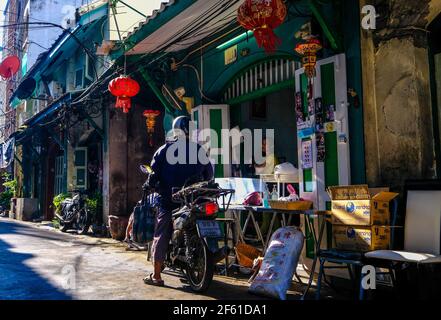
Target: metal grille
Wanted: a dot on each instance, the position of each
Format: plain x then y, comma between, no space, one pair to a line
260,76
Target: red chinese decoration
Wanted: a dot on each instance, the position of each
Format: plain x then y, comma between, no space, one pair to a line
262,17
308,50
151,116
124,88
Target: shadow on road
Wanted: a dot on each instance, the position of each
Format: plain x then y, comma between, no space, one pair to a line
17,280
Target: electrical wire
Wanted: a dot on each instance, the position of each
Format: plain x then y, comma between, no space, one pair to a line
188,31
197,24
199,82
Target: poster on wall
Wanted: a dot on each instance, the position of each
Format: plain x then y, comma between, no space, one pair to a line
311,107
319,116
307,154
319,122
330,113
321,149
299,108
318,106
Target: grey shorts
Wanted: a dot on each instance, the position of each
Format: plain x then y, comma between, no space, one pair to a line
162,236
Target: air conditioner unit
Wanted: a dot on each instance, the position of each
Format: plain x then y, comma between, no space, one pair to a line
56,89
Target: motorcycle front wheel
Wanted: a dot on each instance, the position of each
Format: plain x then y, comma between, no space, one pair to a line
83,223
201,273
63,226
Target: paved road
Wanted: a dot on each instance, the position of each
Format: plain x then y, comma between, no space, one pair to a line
37,263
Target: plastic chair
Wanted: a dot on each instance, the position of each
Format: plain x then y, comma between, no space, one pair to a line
422,230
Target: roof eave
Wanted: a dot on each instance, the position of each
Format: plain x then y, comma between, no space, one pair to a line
153,23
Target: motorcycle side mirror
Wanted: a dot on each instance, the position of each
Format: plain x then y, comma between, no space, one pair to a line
146,169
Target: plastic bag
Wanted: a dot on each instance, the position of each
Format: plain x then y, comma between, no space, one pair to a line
279,264
144,219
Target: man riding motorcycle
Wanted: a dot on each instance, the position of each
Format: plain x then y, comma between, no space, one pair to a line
175,164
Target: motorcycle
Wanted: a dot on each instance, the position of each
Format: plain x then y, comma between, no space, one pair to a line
75,214
194,248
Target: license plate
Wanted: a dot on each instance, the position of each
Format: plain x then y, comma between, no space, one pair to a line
209,229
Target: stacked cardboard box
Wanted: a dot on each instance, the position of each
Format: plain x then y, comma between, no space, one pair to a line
361,217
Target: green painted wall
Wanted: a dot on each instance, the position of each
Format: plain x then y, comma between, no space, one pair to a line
216,75
351,43
343,19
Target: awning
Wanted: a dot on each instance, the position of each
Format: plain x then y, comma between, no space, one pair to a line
62,49
44,116
198,21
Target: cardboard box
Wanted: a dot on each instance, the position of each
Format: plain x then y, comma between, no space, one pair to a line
355,205
361,239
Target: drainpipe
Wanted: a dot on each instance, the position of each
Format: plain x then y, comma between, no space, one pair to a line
156,91
335,43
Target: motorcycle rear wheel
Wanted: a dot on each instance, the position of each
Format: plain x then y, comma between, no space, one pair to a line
200,278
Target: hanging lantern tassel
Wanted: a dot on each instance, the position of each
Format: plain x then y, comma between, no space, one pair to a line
308,51
262,17
124,89
151,116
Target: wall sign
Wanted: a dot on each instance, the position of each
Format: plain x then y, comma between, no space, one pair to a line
307,154
230,55
305,132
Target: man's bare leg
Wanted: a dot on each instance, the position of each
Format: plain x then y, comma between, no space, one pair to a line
157,270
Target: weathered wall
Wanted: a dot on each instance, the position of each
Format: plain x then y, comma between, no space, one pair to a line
139,151
434,10
127,150
396,81
117,164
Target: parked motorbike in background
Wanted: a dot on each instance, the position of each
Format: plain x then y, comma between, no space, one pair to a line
74,213
194,248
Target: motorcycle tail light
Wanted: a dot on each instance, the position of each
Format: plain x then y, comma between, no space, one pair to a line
211,208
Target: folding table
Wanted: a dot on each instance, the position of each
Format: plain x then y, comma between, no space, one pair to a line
250,211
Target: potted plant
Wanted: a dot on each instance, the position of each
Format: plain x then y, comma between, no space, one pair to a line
95,204
9,193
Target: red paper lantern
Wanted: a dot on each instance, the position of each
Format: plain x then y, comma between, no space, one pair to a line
124,88
262,17
309,51
151,116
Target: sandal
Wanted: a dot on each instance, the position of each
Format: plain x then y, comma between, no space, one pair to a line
153,282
